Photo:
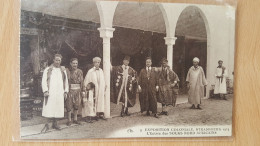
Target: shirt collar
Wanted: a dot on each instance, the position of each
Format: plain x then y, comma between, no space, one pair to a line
96,68
125,67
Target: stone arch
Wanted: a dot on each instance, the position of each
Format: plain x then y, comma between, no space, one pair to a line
106,10
208,38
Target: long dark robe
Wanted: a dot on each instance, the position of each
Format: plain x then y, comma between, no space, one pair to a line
167,92
147,96
130,88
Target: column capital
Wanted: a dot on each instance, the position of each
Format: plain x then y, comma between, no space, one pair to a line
106,32
170,40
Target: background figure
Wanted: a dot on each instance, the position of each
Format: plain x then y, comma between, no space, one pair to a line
88,102
168,86
148,85
96,76
75,78
220,82
196,83
55,88
124,86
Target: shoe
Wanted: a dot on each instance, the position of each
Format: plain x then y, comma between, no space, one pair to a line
126,112
96,118
166,113
89,121
45,128
224,98
148,113
77,122
102,118
55,125
161,113
192,107
69,123
122,114
198,107
156,116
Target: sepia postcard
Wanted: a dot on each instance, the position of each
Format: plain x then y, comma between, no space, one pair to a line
121,69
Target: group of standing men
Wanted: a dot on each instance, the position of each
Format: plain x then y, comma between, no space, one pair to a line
66,87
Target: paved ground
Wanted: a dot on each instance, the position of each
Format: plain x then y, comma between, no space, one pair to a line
215,112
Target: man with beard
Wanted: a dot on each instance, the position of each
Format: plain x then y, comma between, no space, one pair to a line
55,88
196,83
168,86
75,77
148,85
125,86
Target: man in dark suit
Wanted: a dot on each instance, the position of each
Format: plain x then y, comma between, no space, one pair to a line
148,86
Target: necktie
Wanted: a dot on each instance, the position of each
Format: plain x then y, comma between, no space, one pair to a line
148,72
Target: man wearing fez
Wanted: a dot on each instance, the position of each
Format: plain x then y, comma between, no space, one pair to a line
75,78
168,86
148,86
125,86
220,82
196,82
96,76
55,88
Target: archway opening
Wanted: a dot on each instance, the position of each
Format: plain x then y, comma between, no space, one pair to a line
192,40
139,33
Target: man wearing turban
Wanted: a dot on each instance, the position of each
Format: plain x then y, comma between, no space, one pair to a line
168,86
196,82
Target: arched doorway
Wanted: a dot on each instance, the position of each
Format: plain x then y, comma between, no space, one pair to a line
139,33
193,39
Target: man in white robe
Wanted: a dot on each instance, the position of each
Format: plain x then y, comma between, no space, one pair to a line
220,80
196,83
55,88
96,76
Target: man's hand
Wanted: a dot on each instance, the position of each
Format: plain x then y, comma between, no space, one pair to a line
46,94
65,95
172,85
157,88
139,88
188,85
83,94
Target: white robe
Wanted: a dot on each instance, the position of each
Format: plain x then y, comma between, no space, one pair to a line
89,105
97,77
55,105
197,81
220,86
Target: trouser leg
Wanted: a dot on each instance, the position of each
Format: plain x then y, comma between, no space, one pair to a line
75,115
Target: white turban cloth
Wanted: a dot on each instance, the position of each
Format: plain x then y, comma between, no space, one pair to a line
96,59
196,59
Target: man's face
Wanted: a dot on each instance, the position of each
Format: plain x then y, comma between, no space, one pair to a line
57,61
97,64
126,62
148,62
164,64
74,64
195,63
220,63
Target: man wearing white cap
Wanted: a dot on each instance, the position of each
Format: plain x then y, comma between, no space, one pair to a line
96,76
220,82
195,82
